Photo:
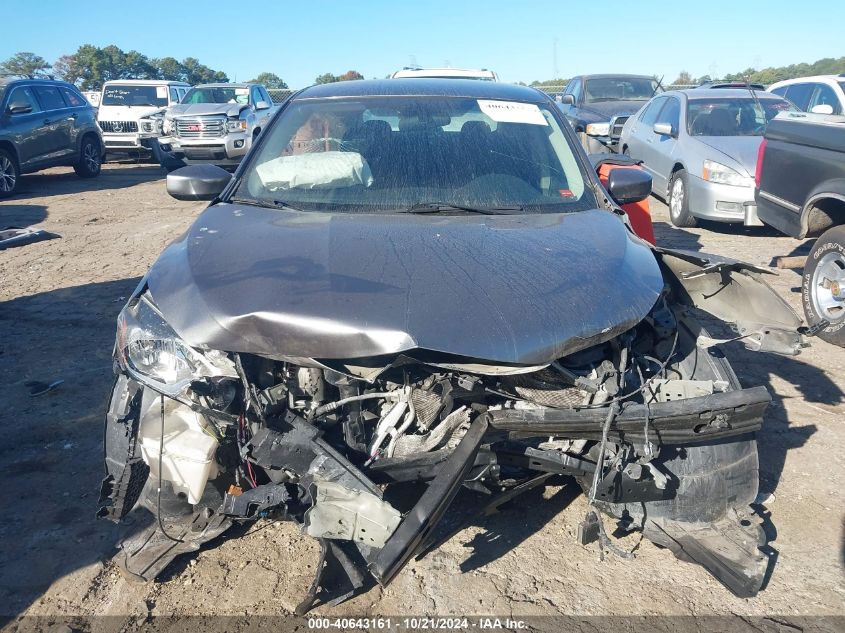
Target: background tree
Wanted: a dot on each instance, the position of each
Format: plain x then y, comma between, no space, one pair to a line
270,80
169,68
350,75
684,78
326,78
196,73
65,68
25,65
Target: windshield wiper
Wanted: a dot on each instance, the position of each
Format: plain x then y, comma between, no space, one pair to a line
437,207
281,204
275,204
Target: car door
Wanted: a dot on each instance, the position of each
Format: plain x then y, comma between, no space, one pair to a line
59,121
641,130
25,127
659,151
569,110
80,113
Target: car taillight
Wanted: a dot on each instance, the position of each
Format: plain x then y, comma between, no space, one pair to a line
759,170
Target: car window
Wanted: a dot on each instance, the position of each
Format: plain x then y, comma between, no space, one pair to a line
182,93
780,91
266,96
733,116
824,95
50,97
23,95
799,94
255,95
217,95
128,95
71,98
671,113
576,90
604,89
649,114
386,154
174,95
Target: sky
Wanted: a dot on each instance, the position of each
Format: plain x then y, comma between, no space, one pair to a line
521,41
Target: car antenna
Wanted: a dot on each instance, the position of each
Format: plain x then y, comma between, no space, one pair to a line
754,96
659,85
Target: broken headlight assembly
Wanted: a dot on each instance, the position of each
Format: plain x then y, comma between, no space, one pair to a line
150,351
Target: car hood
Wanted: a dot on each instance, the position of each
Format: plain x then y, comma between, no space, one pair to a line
197,109
608,109
742,149
519,289
125,113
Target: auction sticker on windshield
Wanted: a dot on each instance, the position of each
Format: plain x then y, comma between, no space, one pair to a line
512,112
161,92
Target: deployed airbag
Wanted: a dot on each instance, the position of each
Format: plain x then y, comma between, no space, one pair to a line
323,170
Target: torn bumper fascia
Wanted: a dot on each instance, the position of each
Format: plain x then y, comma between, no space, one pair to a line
736,293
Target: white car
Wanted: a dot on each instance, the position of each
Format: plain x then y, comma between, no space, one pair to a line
125,102
821,94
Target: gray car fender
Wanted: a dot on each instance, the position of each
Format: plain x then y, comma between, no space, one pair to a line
736,293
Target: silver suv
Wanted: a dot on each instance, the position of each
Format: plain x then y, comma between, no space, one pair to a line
45,123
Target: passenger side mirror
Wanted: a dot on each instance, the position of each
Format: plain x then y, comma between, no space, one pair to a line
822,108
567,100
19,107
197,182
664,129
262,105
628,185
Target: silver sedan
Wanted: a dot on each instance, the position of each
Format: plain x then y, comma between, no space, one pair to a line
700,147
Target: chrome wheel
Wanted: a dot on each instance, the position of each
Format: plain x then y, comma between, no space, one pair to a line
8,176
827,288
676,198
91,157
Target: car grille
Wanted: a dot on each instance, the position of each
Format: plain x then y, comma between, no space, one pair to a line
201,127
119,127
616,125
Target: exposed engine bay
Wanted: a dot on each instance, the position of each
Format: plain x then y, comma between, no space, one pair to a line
651,423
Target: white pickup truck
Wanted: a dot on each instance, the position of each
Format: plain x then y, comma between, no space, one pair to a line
124,107
215,124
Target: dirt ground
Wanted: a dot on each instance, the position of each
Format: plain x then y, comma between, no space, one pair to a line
58,303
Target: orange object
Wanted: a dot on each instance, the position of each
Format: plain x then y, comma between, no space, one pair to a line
638,212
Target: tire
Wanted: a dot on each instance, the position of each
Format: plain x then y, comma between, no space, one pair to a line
678,200
823,285
90,158
9,174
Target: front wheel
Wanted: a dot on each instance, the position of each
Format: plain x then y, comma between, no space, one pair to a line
90,159
9,174
823,285
679,212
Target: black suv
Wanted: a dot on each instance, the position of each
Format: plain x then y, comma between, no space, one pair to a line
45,123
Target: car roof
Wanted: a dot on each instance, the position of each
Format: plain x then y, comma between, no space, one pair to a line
9,81
423,87
220,84
722,93
801,80
614,76
144,82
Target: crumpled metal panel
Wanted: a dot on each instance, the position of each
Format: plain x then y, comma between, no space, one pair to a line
523,289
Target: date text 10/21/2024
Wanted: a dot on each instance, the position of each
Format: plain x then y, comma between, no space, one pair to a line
416,623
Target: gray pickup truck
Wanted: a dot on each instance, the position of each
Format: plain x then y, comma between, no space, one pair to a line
215,124
800,190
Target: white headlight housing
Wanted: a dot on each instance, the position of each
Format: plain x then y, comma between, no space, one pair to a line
150,351
724,175
167,128
598,129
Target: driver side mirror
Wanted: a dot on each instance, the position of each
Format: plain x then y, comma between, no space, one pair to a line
665,129
567,100
197,182
262,105
19,107
627,185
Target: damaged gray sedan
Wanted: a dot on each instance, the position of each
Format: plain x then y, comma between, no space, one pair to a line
424,281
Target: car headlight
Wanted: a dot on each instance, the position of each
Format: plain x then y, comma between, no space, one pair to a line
236,125
168,126
150,351
724,175
598,129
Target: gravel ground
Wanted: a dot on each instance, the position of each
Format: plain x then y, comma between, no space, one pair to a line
58,303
